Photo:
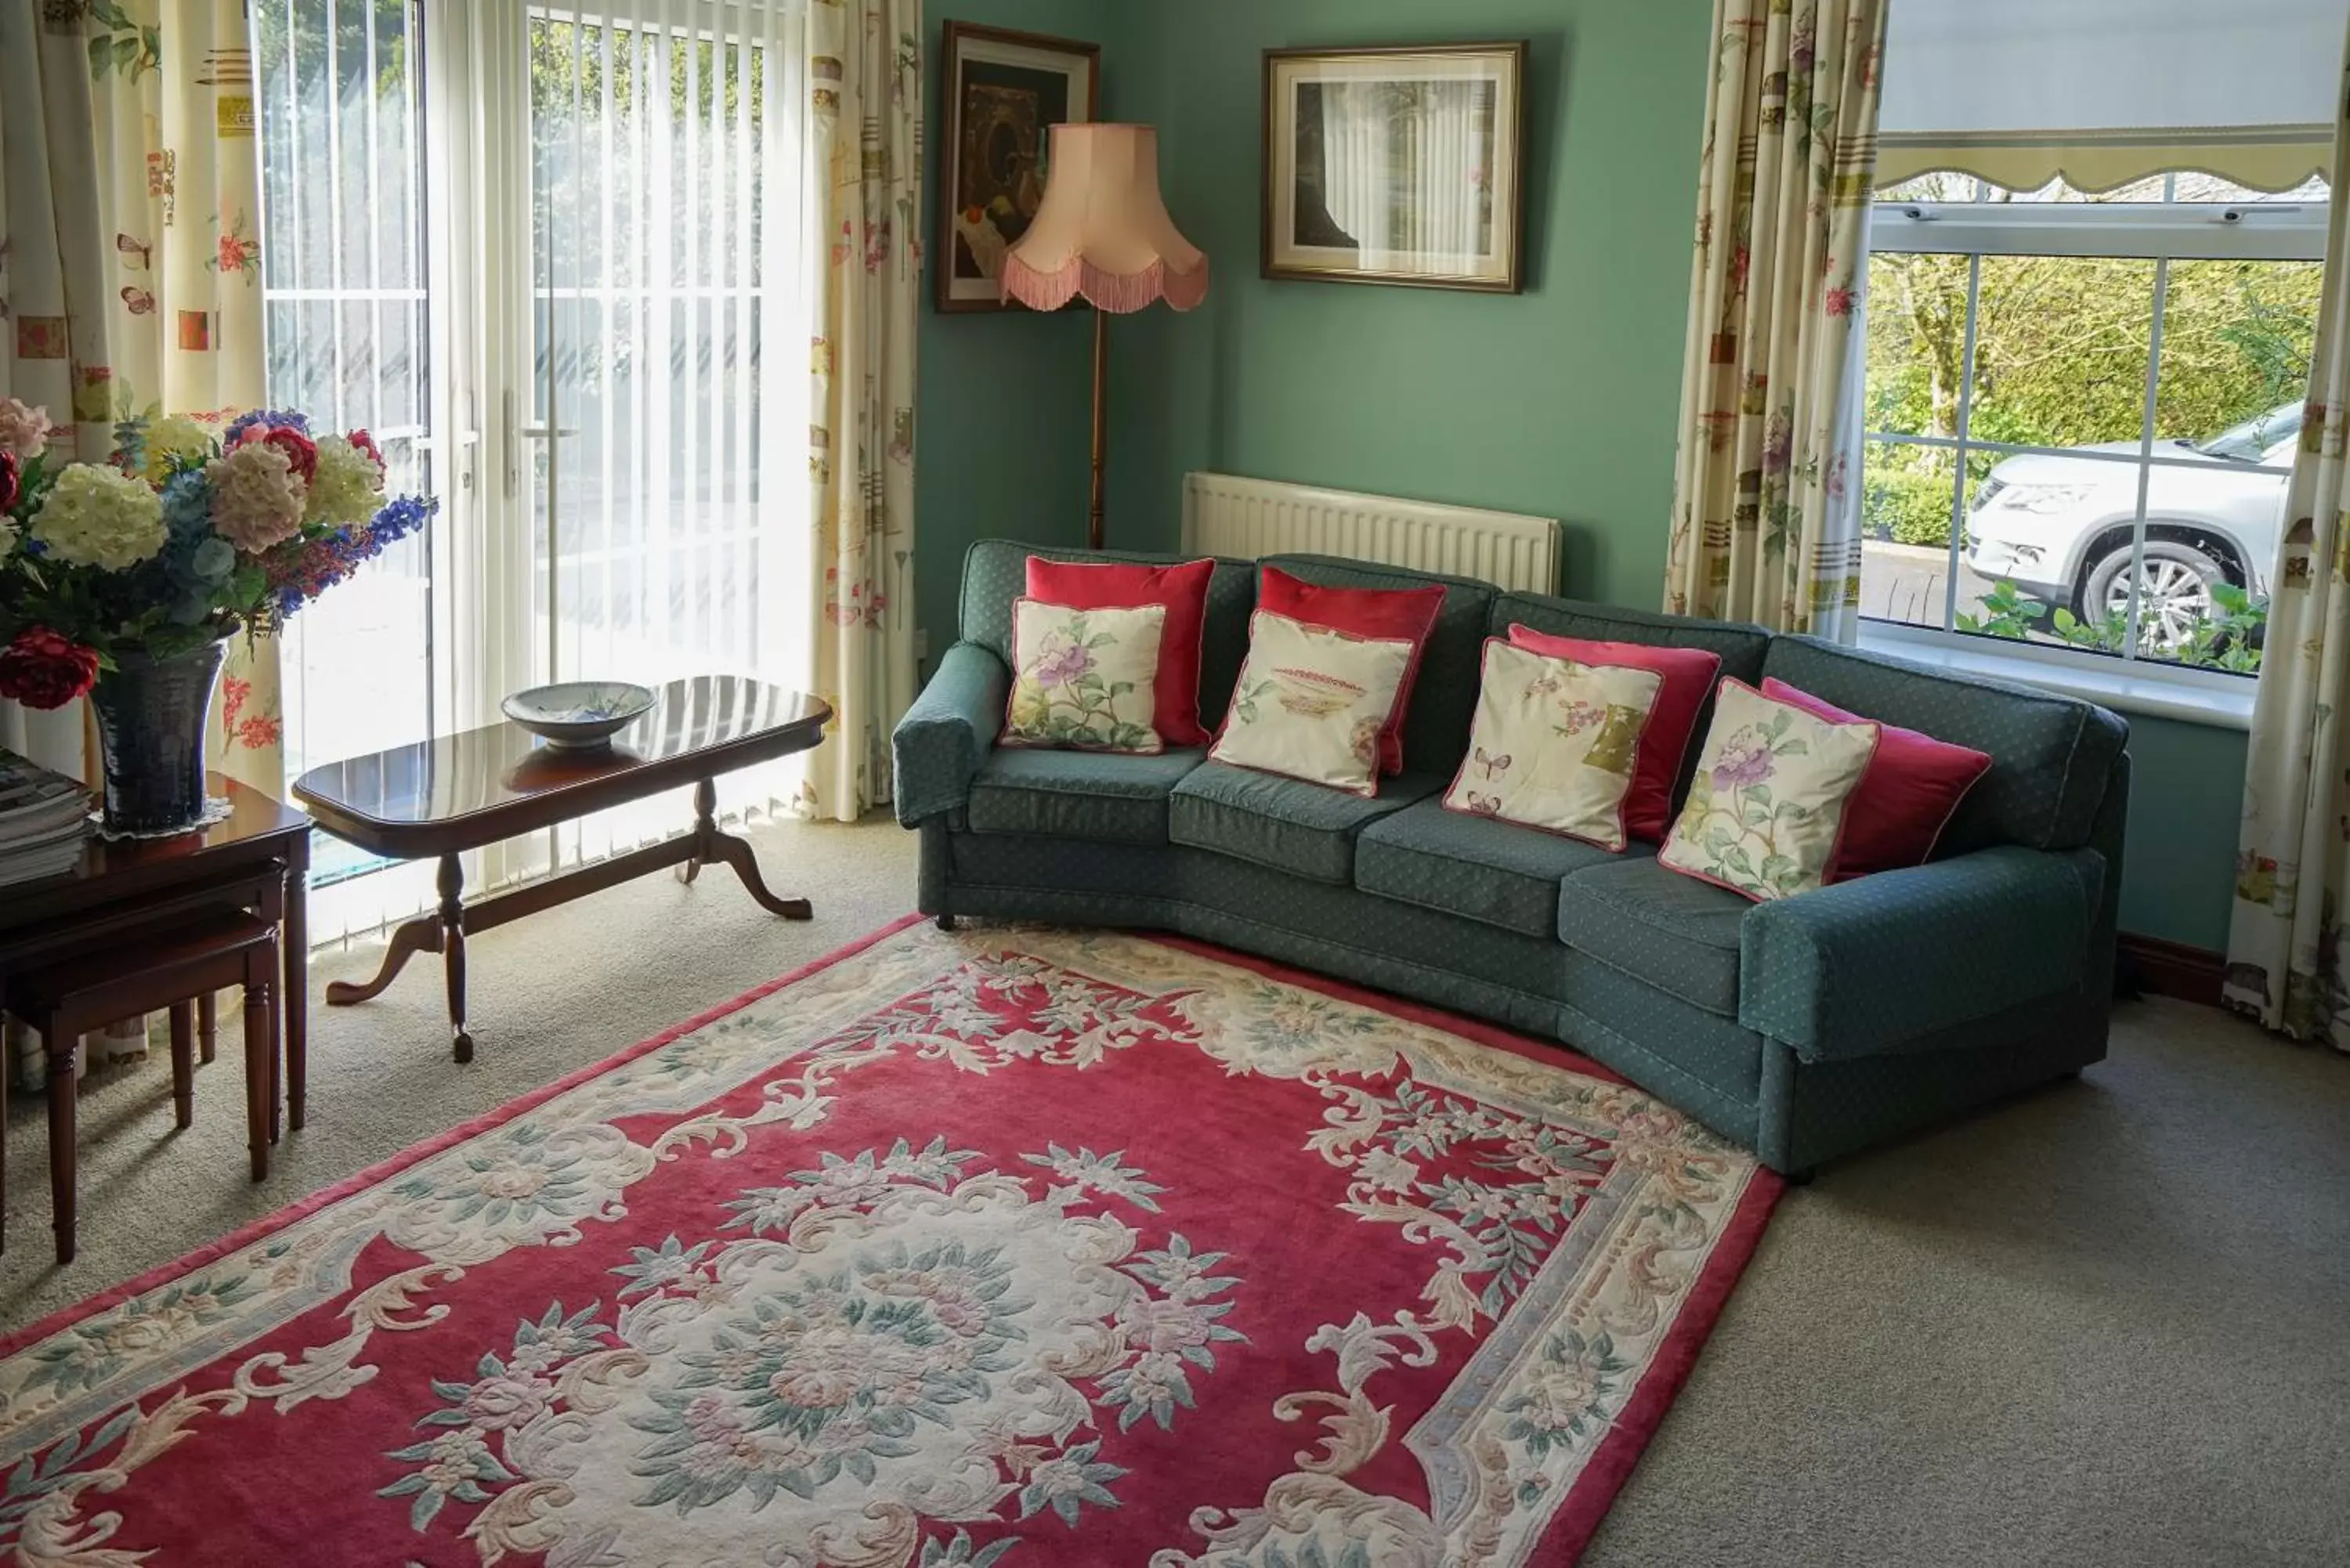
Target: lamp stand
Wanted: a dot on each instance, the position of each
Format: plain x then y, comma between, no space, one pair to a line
1101,426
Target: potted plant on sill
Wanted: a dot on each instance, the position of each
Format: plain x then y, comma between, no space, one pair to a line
124,579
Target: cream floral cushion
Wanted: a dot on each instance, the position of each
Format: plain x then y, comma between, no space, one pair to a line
1554,743
1769,802
1310,703
1085,678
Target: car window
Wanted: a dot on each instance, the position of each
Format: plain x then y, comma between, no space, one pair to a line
2256,439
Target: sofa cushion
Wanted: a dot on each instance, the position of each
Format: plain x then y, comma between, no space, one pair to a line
1444,687
1078,794
995,573
1297,827
2052,757
1492,871
1741,648
1674,932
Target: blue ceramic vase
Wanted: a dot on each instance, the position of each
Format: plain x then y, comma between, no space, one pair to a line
152,715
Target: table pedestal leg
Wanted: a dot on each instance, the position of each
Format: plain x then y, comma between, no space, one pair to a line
452,953
713,845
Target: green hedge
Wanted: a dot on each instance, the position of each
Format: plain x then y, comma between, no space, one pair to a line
1908,507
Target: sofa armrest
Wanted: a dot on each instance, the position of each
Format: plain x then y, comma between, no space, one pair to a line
944,739
1864,967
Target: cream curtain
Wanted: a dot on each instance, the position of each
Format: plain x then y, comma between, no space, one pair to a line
132,281
1384,139
1764,524
2285,961
864,79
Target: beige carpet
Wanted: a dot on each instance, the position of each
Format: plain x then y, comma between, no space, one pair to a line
2107,1325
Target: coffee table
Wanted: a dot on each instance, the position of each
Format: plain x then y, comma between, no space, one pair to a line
442,797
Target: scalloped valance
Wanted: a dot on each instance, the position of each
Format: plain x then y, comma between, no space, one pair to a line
2105,92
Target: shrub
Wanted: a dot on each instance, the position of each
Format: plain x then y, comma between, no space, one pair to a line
1909,506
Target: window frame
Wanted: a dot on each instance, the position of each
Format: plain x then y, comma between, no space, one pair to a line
2289,229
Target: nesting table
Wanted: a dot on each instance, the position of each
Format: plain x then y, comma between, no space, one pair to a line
441,798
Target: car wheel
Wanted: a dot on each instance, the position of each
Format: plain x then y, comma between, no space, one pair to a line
2175,588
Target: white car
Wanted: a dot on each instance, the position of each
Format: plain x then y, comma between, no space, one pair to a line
2059,527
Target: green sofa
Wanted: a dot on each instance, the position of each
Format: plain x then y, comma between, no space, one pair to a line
1802,1029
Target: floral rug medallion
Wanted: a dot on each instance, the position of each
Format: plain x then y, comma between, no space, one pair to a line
1013,1246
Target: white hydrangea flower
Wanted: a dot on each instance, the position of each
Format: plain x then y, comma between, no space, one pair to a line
348,485
174,435
100,517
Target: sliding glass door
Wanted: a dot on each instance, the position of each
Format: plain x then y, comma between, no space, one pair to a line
581,227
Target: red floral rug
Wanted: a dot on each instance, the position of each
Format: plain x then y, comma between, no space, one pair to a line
1024,1246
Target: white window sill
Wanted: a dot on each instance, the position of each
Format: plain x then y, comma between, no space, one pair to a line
2190,697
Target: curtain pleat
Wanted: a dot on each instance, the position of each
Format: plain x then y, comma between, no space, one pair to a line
1763,525
2285,961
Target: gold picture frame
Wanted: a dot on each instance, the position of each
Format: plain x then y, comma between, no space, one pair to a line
1403,164
1004,92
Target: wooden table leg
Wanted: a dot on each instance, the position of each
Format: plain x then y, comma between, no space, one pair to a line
207,1026
711,843
273,913
296,938
260,1058
183,1062
452,953
62,1087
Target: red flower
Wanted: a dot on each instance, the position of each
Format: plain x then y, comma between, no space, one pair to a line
1839,302
301,452
9,475
366,444
42,669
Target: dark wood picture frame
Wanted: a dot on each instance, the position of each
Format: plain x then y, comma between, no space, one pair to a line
1026,104
1281,261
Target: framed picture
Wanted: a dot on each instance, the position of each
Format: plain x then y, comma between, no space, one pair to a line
1005,92
1396,165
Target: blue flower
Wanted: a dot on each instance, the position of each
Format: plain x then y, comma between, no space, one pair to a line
188,507
213,560
243,422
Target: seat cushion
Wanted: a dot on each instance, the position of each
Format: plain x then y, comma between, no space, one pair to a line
1496,872
1679,934
1078,794
1294,827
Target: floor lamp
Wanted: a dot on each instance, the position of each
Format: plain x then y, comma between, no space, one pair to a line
1103,231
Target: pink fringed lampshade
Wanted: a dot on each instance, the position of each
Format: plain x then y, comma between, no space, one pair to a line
1103,230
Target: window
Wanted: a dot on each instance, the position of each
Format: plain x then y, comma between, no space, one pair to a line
2082,409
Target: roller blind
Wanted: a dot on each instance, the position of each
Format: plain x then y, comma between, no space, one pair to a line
2104,92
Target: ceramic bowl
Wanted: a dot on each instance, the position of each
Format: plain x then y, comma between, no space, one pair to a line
574,715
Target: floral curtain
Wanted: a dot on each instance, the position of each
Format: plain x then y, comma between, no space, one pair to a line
866,176
2284,939
130,283
1764,524
130,273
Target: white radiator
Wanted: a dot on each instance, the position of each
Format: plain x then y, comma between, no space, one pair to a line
1225,516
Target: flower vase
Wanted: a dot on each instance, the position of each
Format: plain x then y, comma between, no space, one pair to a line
152,718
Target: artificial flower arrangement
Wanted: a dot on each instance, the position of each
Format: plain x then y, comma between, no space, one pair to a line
187,535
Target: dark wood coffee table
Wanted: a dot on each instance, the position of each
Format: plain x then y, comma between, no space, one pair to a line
441,798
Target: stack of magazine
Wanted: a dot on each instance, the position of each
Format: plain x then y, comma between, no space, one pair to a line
43,820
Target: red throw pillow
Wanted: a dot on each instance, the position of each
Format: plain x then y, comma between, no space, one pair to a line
1124,584
1690,674
1376,613
1903,800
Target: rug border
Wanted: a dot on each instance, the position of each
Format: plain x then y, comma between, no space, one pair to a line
1593,1496
17,1340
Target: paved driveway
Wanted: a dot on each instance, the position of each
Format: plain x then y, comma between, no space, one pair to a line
1908,582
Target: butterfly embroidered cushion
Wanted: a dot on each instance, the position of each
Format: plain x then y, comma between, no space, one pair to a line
1772,795
1913,785
1379,613
1124,584
1555,743
1312,703
1085,679
1688,675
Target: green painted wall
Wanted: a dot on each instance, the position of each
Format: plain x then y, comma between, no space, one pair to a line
1005,406
1560,401
2187,793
